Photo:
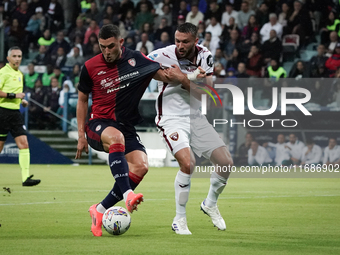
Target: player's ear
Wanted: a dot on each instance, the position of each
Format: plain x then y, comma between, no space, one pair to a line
121,41
196,41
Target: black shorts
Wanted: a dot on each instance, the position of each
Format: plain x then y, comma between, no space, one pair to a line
11,121
95,127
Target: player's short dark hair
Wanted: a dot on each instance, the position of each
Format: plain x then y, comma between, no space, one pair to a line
188,28
332,137
108,31
12,48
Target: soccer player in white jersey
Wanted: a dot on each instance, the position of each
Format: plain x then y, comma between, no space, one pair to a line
331,153
295,148
281,153
311,154
184,134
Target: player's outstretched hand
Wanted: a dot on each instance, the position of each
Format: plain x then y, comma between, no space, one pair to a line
202,73
82,145
24,103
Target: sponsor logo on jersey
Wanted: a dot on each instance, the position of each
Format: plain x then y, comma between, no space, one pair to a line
166,55
106,83
98,128
174,136
132,61
118,88
153,56
210,61
101,72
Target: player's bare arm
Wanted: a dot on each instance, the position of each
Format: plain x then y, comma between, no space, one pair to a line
82,106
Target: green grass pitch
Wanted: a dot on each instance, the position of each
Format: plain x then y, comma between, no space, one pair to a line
263,215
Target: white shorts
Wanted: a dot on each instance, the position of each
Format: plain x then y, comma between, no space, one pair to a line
183,132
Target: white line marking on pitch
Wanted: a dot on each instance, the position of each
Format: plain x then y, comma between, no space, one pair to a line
167,199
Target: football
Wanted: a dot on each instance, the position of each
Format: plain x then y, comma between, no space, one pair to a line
116,220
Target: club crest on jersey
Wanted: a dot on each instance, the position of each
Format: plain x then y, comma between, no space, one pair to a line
98,127
132,61
174,136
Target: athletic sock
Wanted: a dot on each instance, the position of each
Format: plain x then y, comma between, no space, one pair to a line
100,208
116,195
24,162
119,166
182,189
217,185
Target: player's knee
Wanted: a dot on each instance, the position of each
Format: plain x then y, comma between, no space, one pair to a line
188,167
140,169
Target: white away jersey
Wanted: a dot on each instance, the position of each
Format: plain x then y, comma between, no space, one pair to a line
173,100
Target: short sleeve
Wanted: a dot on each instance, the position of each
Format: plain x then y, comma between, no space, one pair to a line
85,81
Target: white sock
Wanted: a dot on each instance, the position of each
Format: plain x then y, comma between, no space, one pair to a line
217,184
126,193
100,208
182,189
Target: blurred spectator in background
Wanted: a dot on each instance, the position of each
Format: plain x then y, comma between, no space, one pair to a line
30,78
219,71
78,42
93,14
257,155
242,152
34,27
333,41
41,58
200,32
271,48
331,153
59,43
34,4
262,14
37,116
215,29
144,50
285,14
229,12
336,92
129,22
319,92
274,71
88,47
130,43
163,27
295,148
332,24
47,76
300,23
144,16
74,76
85,5
281,152
182,9
271,25
333,62
59,60
22,14
147,28
125,7
46,38
75,59
320,72
254,62
317,60
209,43
164,42
194,16
72,103
148,3
59,75
166,14
53,103
227,30
233,43
145,42
79,30
250,28
92,29
311,153
243,15
219,58
241,72
108,13
54,14
234,60
213,11
16,36
299,71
